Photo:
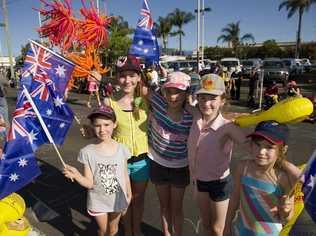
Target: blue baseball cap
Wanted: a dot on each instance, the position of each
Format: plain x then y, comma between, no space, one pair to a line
272,131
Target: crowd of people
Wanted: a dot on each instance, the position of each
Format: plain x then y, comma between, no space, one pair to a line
174,135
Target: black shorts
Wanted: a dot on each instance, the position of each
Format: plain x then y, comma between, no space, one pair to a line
177,177
219,190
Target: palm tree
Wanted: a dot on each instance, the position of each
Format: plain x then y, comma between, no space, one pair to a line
163,26
178,19
231,35
300,6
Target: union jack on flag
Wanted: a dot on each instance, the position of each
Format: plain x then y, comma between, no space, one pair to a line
18,121
36,61
146,21
145,44
41,89
43,67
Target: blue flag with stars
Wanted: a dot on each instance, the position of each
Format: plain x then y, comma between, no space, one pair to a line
309,187
145,43
45,76
43,66
18,167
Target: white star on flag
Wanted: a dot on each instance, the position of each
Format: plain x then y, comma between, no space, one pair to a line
13,177
58,101
140,42
153,37
312,181
22,162
32,136
60,71
49,112
146,50
62,125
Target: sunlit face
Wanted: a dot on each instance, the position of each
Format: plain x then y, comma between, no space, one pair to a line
175,97
103,128
265,153
128,81
210,104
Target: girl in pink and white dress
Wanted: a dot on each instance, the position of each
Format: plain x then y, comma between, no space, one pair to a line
93,86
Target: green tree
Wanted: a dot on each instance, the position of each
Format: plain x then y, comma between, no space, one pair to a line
179,19
164,27
300,6
119,40
270,49
231,35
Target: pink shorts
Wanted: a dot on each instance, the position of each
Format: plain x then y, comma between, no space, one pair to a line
92,86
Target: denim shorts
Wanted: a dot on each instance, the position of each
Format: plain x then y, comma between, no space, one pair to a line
177,177
218,190
138,168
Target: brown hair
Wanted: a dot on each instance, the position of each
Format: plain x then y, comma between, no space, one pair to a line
281,156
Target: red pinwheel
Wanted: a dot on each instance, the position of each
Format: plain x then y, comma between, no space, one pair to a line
93,30
60,26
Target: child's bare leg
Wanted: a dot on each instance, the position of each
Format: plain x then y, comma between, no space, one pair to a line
89,100
219,211
177,209
203,200
127,220
164,195
102,221
138,201
114,219
98,97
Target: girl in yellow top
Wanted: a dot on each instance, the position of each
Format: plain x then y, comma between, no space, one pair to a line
131,113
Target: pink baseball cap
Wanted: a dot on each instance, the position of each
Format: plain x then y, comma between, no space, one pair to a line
178,80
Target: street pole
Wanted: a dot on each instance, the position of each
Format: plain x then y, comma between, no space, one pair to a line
6,30
98,6
198,36
40,23
202,34
1,25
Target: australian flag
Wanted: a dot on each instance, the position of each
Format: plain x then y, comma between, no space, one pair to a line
145,43
309,187
45,76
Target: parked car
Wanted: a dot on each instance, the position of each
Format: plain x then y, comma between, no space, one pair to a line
294,65
306,64
230,63
248,64
183,65
275,70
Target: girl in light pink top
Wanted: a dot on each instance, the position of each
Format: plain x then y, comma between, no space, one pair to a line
210,146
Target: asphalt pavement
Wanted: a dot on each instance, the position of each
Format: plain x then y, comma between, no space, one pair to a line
56,206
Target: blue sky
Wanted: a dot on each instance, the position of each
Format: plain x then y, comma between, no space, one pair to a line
259,17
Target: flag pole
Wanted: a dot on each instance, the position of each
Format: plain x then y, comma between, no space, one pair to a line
50,138
299,179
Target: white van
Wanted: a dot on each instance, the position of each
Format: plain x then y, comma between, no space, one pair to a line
230,63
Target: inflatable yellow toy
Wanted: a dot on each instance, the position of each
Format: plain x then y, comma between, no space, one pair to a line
12,222
287,111
298,207
20,227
